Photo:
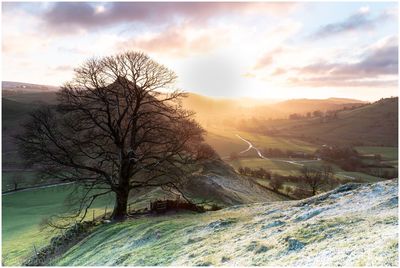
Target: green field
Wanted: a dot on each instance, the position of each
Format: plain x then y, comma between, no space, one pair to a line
387,153
225,141
277,166
22,213
27,178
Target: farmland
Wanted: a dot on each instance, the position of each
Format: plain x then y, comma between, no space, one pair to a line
225,141
21,219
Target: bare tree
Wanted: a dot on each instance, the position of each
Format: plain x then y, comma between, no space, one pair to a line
312,178
16,180
328,175
276,183
119,125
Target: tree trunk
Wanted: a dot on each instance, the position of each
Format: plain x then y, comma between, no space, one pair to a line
121,203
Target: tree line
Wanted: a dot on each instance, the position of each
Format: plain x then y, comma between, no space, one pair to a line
310,181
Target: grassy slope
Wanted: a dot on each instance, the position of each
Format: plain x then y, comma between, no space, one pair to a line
374,124
22,213
13,114
225,141
330,229
308,105
388,153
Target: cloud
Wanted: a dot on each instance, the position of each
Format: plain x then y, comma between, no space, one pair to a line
342,82
63,68
70,16
377,66
268,58
361,20
178,41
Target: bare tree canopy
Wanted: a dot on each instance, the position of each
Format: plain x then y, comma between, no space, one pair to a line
119,125
315,179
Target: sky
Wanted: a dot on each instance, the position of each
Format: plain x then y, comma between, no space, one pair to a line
275,50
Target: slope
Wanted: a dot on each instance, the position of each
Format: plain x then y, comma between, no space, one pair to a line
214,183
373,124
309,105
330,229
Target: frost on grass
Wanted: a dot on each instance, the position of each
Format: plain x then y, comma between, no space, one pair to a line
352,225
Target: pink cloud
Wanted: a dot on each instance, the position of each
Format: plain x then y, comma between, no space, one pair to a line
178,41
70,16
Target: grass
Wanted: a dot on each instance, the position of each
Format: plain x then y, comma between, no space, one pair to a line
273,165
22,213
225,141
243,235
143,233
27,178
387,153
276,166
371,125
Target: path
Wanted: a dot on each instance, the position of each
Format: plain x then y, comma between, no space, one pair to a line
266,158
298,163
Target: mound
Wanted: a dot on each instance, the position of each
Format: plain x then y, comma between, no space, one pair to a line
218,182
353,225
374,124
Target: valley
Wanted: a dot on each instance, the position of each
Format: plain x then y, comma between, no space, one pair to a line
238,147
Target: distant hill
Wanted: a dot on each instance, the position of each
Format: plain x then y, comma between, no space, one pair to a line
372,124
13,115
26,87
209,111
217,112
302,106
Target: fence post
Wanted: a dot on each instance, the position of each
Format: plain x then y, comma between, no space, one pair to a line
93,215
105,212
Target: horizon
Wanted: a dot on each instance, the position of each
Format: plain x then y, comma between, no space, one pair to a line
284,54
260,100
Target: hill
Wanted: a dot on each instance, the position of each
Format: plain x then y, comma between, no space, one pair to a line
302,106
13,114
214,183
372,124
211,112
330,229
26,87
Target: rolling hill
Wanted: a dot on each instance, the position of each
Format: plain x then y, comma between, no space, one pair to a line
308,105
26,87
372,124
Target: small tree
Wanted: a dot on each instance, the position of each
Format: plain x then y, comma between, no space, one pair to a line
288,190
276,183
16,180
312,178
114,130
241,170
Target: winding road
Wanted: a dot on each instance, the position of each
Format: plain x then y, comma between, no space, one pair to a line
266,158
297,163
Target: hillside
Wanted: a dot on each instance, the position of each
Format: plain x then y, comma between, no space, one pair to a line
308,105
13,114
26,87
373,124
217,181
329,229
214,183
